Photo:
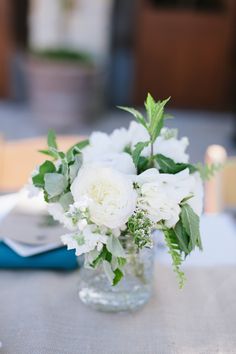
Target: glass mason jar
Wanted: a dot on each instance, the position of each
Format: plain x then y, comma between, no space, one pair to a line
131,293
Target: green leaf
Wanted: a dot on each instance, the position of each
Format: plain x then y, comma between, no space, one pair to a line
143,163
114,247
47,167
54,153
66,200
208,171
150,106
74,168
182,237
157,117
137,151
191,224
75,149
175,253
103,255
55,184
118,276
52,139
139,117
168,165
50,153
38,181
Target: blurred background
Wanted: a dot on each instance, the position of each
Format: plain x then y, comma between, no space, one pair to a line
66,64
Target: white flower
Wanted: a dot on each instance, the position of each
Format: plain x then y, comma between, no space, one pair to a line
108,150
111,194
101,144
196,202
121,162
58,213
31,190
165,144
137,133
119,139
161,194
172,148
150,175
85,241
158,204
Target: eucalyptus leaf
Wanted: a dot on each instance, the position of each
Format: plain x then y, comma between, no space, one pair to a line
74,168
55,184
66,200
114,247
46,167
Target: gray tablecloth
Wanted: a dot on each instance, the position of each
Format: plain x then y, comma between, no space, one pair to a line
40,313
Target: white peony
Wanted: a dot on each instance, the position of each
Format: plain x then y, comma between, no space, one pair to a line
137,133
168,146
196,202
161,194
111,194
121,162
101,144
84,242
119,139
31,190
172,148
108,150
158,204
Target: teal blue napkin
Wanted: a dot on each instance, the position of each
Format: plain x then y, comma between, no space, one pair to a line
59,258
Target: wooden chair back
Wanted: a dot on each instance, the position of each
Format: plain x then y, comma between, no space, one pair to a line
220,191
19,158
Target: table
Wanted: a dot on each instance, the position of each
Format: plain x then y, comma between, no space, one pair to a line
40,312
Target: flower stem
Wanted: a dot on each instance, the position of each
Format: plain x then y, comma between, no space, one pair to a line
151,157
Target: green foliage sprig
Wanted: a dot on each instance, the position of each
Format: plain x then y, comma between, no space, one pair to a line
55,179
153,122
175,253
182,239
209,170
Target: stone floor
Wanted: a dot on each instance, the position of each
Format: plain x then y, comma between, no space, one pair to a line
202,128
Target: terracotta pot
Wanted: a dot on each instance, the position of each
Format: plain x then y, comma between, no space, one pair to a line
62,93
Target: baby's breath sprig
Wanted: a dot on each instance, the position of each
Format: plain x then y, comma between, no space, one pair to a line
140,227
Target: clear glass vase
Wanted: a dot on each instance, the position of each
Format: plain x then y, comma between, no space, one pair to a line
131,293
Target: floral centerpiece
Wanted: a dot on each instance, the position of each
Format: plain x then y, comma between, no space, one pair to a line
112,192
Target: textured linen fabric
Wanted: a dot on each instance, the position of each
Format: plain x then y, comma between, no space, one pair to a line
40,313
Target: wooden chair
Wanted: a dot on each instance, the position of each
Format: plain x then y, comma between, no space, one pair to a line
19,158
220,191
